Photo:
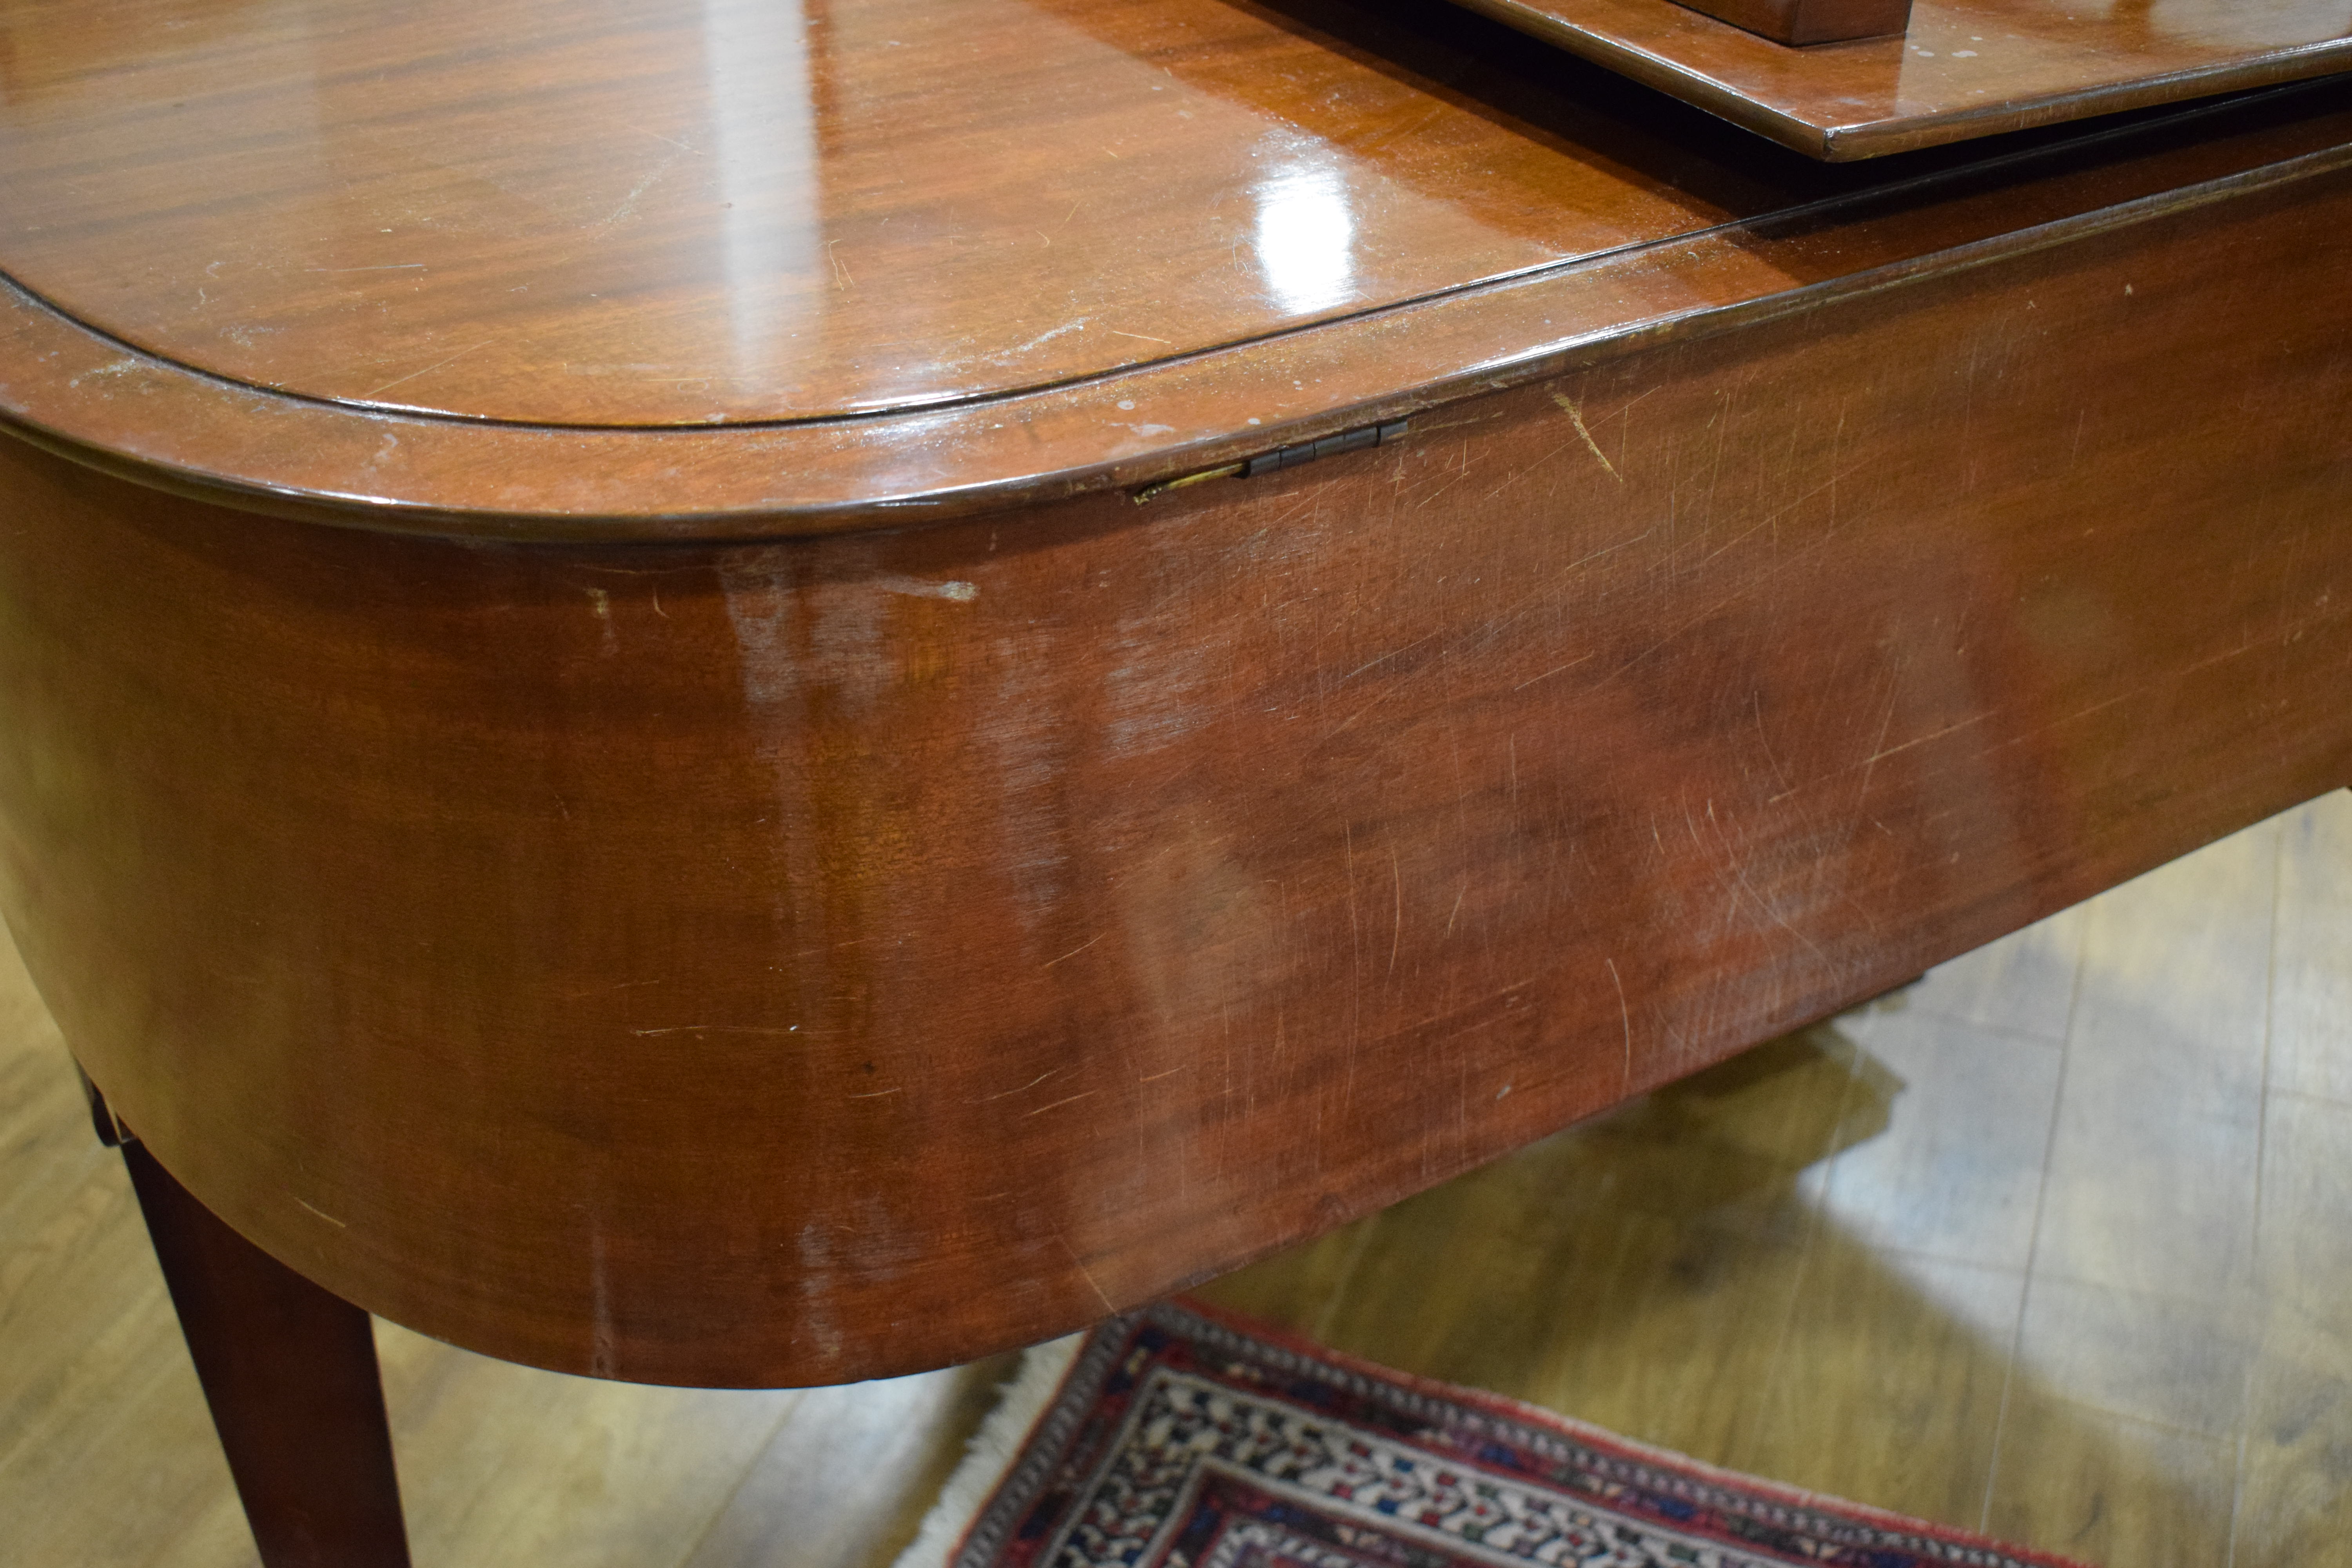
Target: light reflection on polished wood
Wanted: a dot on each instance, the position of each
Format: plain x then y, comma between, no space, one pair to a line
1016,233
108,1457
685,214
1913,1257
611,944
1424,800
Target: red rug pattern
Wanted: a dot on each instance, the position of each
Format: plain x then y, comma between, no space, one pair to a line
1186,1438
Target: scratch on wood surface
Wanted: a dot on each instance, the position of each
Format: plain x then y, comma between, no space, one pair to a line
1546,596
876,1094
1531,468
1075,951
682,146
1008,1093
1555,669
323,1215
2140,691
1384,693
601,990
1923,740
1626,1016
1576,417
1057,1105
1747,587
629,203
1740,886
1449,484
1046,337
1744,886
1071,1253
1376,663
1396,881
1756,702
428,369
1886,722
719,1029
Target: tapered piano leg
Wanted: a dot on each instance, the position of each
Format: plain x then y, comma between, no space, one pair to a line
289,1372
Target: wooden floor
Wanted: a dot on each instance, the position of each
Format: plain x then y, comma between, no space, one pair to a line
2057,1243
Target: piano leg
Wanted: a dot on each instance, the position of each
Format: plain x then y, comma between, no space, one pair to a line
289,1372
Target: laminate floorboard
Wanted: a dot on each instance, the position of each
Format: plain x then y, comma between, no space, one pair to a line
2052,1243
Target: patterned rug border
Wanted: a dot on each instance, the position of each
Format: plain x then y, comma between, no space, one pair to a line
1061,1383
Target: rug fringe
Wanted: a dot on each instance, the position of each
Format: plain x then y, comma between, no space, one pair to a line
991,1453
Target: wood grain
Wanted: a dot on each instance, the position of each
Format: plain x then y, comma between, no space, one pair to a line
290,1375
561,861
1540,217
1834,1261
629,215
1423,799
1885,1382
1960,70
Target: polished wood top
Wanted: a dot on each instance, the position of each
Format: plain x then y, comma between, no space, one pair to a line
544,212
1964,68
511,267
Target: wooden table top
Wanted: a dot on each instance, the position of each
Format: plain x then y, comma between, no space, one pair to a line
457,263
1964,68
539,212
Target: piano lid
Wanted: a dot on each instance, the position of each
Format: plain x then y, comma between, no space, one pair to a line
665,213
682,213
694,268
1964,68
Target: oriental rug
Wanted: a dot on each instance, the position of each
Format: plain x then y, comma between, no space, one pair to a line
1179,1436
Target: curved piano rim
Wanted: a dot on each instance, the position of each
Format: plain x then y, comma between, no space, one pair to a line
355,859
99,401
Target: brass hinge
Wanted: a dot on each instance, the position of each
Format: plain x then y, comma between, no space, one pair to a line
1354,440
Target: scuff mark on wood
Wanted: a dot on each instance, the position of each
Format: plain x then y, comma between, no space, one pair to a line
1576,417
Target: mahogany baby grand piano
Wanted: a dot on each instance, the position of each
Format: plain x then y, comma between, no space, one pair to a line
763,694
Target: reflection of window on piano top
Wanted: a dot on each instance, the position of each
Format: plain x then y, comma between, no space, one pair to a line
1306,238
